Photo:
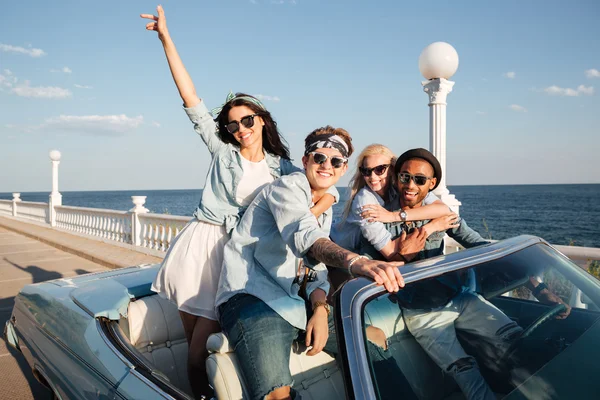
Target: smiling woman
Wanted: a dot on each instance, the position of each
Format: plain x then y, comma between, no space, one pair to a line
372,188
248,152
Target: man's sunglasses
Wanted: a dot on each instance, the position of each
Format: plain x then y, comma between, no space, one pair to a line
247,121
379,170
320,158
405,177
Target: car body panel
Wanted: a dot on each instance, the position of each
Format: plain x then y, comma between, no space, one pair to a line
55,326
59,326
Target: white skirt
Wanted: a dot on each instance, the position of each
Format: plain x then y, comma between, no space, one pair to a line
189,274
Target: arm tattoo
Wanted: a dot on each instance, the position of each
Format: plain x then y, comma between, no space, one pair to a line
329,253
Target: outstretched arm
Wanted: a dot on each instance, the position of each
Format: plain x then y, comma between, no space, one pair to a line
322,205
383,273
182,79
376,213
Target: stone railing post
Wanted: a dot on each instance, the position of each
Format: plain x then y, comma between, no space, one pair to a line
55,196
438,89
15,200
136,226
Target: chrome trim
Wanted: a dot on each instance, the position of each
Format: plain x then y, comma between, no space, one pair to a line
133,368
356,292
111,346
10,334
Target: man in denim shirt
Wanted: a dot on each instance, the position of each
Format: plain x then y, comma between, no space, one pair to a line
435,309
259,305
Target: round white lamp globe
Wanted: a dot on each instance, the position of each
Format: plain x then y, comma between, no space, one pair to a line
55,155
438,60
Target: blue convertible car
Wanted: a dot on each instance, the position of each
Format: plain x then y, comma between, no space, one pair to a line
107,336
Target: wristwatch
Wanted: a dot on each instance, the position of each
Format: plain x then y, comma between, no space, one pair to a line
322,304
403,215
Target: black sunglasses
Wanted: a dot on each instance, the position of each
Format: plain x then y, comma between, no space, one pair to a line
405,177
320,158
379,170
247,121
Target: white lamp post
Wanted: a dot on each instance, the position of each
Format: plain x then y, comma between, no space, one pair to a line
55,196
437,63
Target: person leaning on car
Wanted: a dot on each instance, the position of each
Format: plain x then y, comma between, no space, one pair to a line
435,309
258,301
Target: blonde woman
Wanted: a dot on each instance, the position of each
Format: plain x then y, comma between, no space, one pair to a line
372,194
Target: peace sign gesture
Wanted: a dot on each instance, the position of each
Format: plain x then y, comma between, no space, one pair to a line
159,24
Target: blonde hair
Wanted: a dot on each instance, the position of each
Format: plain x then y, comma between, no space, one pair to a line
358,181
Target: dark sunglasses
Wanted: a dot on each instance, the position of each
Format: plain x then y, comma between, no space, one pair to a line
320,158
247,121
405,177
379,170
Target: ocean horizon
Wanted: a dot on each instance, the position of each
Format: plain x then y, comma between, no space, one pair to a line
495,211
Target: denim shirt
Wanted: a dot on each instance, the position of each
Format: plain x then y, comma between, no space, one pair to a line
354,232
348,232
261,257
434,244
219,205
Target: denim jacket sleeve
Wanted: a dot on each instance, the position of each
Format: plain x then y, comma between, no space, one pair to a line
205,126
320,283
289,202
374,232
430,199
466,236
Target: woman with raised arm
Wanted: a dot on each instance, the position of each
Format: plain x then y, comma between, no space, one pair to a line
372,195
247,152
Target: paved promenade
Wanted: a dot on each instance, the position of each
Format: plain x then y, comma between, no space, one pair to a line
31,254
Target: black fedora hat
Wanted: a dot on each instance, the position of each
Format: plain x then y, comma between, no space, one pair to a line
422,154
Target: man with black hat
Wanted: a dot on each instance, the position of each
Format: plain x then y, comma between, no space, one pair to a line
436,308
418,172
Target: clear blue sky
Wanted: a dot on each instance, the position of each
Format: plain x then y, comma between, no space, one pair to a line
86,78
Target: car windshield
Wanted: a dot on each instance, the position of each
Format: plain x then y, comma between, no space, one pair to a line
521,326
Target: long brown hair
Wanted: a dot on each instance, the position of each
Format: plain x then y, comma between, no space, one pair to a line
358,181
273,142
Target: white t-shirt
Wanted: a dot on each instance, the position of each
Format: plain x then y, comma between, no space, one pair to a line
256,176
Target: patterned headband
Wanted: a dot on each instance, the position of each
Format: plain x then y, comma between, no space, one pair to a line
327,141
231,96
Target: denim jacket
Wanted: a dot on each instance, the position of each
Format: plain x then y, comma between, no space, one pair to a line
261,257
347,233
218,204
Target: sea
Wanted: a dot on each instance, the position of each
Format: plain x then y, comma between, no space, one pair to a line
561,214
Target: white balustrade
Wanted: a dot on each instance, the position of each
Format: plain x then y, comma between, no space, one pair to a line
6,207
33,211
105,224
159,230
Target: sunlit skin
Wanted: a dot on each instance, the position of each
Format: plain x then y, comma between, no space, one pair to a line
322,176
378,184
247,137
411,194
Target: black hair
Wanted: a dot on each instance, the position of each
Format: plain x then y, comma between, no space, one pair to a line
273,142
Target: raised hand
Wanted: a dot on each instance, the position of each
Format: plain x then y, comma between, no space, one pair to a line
159,23
376,213
410,245
442,224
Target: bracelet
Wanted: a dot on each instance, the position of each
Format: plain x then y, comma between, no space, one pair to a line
538,289
352,261
321,304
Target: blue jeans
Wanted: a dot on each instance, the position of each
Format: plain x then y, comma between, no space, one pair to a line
262,340
435,330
